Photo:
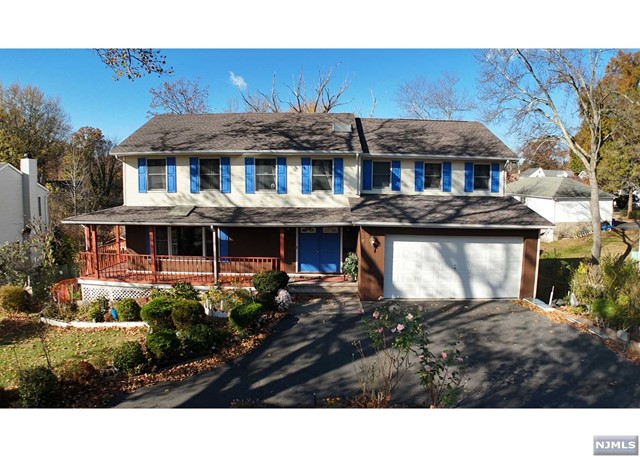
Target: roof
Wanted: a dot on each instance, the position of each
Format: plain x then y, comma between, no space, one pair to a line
439,138
452,211
177,133
547,173
553,188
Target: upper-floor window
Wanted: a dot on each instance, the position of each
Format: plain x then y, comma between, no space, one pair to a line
481,176
432,175
210,174
322,174
157,174
381,175
265,174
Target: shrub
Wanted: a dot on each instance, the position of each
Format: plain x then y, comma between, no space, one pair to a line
157,313
97,309
14,298
245,317
350,266
38,388
64,311
267,283
129,357
128,310
163,344
635,214
78,372
185,290
226,300
201,338
283,300
186,314
623,213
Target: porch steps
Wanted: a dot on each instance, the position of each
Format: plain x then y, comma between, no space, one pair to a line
311,287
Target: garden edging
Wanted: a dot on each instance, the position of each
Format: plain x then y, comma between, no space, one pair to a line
80,324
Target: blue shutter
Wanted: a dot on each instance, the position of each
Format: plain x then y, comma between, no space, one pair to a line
306,175
142,175
338,171
495,177
395,175
419,179
224,242
225,175
171,174
249,180
468,176
282,174
194,173
367,174
446,176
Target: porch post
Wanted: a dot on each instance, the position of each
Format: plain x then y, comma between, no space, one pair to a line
215,255
94,250
281,249
152,252
118,247
87,238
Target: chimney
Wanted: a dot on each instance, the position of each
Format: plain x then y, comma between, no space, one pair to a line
29,169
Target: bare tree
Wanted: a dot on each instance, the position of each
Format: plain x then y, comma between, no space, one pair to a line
374,103
545,93
232,106
422,99
261,102
134,63
179,97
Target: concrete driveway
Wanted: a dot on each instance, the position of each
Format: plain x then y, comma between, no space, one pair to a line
516,359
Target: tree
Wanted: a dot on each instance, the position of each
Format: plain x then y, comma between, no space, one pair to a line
32,125
542,92
422,99
179,97
546,152
134,63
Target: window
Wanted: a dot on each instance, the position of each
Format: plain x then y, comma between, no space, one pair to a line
265,174
481,176
381,175
39,206
157,174
432,175
322,174
184,241
209,174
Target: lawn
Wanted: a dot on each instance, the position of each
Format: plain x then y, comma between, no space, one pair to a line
23,340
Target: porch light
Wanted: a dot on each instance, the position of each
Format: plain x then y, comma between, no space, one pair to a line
374,242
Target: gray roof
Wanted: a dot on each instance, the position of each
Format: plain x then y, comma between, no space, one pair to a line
420,210
547,173
553,188
441,138
243,132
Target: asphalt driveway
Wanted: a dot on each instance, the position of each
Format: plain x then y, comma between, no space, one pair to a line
517,358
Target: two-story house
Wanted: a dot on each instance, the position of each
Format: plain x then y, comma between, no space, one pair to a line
216,196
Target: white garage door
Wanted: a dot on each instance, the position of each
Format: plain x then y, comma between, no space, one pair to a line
452,267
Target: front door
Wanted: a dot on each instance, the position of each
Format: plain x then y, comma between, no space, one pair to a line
319,250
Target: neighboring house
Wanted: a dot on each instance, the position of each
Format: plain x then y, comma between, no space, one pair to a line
24,201
563,201
218,196
540,173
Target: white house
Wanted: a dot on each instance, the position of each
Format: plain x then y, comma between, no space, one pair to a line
24,201
541,173
562,201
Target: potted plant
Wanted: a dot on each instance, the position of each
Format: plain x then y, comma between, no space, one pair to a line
350,266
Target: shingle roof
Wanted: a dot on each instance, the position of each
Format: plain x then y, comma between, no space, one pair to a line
243,132
547,173
442,138
553,188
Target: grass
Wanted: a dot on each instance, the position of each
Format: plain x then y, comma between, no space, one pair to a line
22,337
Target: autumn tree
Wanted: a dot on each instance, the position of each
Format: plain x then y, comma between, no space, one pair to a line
439,99
179,97
545,93
548,153
134,62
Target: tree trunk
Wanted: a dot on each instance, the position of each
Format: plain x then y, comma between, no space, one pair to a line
596,221
630,202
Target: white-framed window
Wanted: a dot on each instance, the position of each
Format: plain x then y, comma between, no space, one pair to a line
184,241
157,174
432,175
321,174
481,176
209,170
381,175
265,174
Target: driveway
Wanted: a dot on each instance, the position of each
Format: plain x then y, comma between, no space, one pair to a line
517,358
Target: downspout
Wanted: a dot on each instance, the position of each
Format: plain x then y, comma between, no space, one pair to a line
357,174
535,284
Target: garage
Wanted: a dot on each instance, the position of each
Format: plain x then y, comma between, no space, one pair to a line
452,267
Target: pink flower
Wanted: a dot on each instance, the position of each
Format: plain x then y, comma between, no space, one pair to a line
443,355
409,317
361,309
400,327
459,360
427,368
376,314
380,330
421,357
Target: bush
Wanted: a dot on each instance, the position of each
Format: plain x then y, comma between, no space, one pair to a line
128,310
14,298
97,309
38,388
186,314
163,344
267,283
635,214
226,300
201,338
129,357
350,266
623,213
157,313
185,290
63,311
245,317
78,372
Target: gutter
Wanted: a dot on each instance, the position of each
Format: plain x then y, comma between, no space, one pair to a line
235,152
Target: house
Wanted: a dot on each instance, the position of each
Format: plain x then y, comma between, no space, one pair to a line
540,173
214,197
563,201
25,202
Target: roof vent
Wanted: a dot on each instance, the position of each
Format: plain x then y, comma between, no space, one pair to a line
341,127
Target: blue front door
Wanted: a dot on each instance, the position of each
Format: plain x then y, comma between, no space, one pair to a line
319,250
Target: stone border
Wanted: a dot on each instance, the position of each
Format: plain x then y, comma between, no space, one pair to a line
81,324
